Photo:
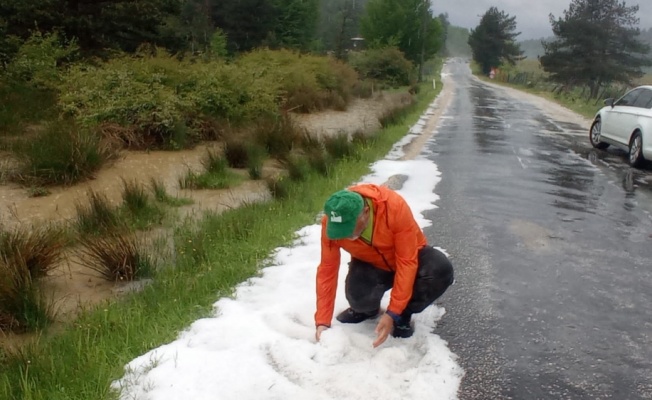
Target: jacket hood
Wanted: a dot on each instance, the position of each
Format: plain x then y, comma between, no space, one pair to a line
374,192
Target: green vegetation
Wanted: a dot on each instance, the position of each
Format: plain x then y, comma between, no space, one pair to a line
408,25
493,40
595,49
25,256
208,259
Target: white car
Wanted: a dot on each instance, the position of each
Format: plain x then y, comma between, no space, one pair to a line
626,123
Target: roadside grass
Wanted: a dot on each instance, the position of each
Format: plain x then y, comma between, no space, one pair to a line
209,259
216,176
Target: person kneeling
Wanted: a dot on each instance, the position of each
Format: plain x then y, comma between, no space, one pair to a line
375,225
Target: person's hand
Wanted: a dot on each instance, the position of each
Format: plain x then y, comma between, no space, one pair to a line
383,329
320,329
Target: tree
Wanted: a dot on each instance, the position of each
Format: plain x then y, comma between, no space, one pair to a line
596,44
493,42
407,24
295,25
339,22
96,25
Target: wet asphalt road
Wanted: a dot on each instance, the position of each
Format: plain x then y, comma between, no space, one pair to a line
552,245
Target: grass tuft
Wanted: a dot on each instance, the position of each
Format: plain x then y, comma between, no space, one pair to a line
116,257
339,146
98,217
61,154
279,187
256,156
161,195
23,306
235,151
38,249
298,167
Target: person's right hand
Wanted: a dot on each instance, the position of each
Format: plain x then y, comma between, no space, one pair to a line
320,329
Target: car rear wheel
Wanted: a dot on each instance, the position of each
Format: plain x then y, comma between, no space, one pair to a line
636,150
595,133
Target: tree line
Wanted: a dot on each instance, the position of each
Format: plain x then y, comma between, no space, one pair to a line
595,43
225,27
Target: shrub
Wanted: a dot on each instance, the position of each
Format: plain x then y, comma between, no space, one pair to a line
307,83
387,65
38,59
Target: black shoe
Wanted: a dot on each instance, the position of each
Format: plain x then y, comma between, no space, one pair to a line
403,329
349,316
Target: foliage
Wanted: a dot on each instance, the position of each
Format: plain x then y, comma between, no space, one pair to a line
407,24
339,21
119,24
218,43
62,153
307,82
38,59
249,24
22,104
493,40
386,65
595,43
278,136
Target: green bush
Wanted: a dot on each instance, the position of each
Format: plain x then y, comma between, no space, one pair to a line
387,65
139,93
38,59
307,83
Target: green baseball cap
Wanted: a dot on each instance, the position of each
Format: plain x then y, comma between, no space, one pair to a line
342,209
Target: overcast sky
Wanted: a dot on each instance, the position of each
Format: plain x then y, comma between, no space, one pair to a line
531,16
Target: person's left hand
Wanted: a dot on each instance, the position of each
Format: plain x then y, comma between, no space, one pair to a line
383,329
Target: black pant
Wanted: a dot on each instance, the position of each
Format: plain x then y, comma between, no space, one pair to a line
366,284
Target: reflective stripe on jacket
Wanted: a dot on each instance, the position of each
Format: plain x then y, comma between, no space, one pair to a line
396,242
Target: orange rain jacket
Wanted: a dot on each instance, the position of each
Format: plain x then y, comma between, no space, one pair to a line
395,245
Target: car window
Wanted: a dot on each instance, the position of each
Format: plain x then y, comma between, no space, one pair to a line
629,98
643,99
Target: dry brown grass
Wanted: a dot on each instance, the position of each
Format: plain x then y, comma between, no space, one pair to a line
116,257
39,249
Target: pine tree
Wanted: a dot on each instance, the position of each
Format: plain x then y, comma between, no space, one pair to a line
493,40
596,43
